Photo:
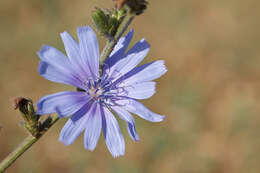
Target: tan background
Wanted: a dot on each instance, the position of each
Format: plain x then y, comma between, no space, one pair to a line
210,94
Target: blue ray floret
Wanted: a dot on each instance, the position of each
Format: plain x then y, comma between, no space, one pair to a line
115,91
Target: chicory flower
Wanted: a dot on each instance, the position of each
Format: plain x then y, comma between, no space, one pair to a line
101,94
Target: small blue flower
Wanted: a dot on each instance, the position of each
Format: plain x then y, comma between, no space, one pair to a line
115,91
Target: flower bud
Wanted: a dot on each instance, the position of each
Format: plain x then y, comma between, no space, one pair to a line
136,6
100,20
28,113
26,108
108,23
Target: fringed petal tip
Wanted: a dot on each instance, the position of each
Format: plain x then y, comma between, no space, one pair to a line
42,67
43,49
159,118
64,141
78,68
163,67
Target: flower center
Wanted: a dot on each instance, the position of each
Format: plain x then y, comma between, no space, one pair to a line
95,92
102,90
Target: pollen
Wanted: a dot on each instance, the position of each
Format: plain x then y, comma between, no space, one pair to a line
95,92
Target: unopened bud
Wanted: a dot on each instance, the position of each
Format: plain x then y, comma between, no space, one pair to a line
136,6
28,113
100,20
108,22
25,106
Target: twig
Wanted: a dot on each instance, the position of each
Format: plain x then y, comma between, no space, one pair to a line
26,144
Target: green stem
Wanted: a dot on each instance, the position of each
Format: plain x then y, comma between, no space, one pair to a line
112,42
30,140
26,144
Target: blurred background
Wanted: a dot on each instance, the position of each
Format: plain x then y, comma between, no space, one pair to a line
210,94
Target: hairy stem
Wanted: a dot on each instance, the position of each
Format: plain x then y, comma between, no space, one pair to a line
26,144
112,42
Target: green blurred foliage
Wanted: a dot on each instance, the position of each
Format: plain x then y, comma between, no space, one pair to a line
210,94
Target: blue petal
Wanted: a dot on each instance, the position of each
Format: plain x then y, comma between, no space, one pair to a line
72,49
53,56
55,75
139,109
126,116
89,50
93,129
132,131
64,103
144,73
113,137
142,90
119,50
133,57
56,67
75,125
